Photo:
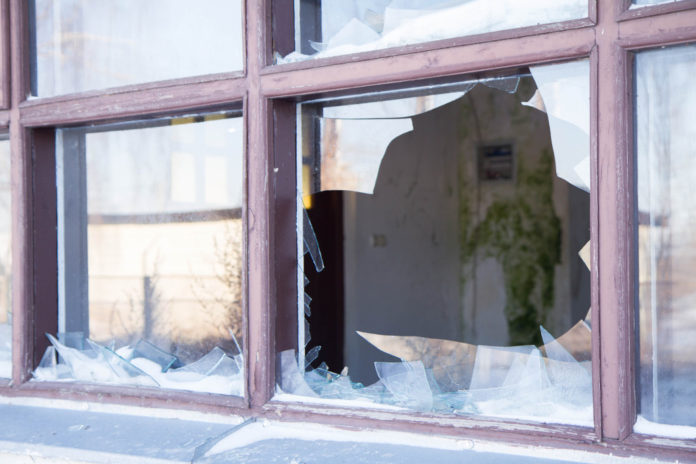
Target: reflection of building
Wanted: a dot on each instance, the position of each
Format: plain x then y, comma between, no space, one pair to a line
164,233
165,282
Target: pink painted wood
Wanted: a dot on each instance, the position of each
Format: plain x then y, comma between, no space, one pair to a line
5,97
22,204
260,243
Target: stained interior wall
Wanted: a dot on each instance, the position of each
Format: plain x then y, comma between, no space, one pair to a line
405,273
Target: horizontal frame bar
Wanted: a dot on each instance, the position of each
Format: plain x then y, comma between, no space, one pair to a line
656,31
132,396
430,64
136,102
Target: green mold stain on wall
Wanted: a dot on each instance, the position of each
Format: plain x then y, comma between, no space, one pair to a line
523,233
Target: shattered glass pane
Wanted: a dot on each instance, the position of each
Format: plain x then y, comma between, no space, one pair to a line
5,261
452,221
325,28
81,45
665,103
215,372
150,241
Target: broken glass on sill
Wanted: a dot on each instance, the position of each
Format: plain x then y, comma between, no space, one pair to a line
444,376
144,364
325,28
454,217
150,244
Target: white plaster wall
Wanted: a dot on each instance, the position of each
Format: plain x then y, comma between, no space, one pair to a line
412,285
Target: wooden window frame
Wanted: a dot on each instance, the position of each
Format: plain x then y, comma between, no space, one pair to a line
609,37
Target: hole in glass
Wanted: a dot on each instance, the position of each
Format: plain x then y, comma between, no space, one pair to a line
452,229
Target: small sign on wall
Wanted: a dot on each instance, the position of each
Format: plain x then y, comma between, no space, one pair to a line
496,162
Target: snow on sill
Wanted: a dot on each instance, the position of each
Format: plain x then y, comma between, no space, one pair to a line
647,427
564,419
339,403
262,430
108,408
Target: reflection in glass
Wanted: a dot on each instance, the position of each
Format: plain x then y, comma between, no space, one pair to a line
5,261
666,159
441,268
81,45
150,252
326,28
639,3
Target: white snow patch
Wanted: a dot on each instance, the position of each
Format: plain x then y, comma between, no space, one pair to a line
647,427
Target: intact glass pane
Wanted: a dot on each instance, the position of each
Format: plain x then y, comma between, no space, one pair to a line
443,244
666,160
326,28
150,255
638,3
83,45
5,261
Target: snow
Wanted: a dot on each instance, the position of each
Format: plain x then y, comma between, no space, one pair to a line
5,351
214,373
647,427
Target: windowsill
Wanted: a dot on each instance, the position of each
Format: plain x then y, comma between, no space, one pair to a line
36,430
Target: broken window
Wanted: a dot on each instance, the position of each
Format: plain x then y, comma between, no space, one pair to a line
150,240
665,101
325,28
443,238
80,45
5,260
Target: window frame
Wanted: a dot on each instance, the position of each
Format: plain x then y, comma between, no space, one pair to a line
267,93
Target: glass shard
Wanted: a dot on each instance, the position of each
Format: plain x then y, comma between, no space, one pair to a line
330,28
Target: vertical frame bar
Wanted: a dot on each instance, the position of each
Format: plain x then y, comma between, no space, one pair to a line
5,75
44,243
285,232
261,271
283,26
71,257
592,13
594,244
22,201
615,266
622,6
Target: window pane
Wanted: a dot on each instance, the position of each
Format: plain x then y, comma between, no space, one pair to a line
83,45
666,159
5,261
150,254
326,28
440,258
637,3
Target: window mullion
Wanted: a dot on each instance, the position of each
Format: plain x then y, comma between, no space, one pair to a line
259,200
5,97
22,198
615,237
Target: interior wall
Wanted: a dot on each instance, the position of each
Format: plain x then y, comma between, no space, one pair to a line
404,273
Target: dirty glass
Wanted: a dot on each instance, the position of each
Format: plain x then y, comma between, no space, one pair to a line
150,241
79,45
5,261
665,99
324,28
639,3
443,249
